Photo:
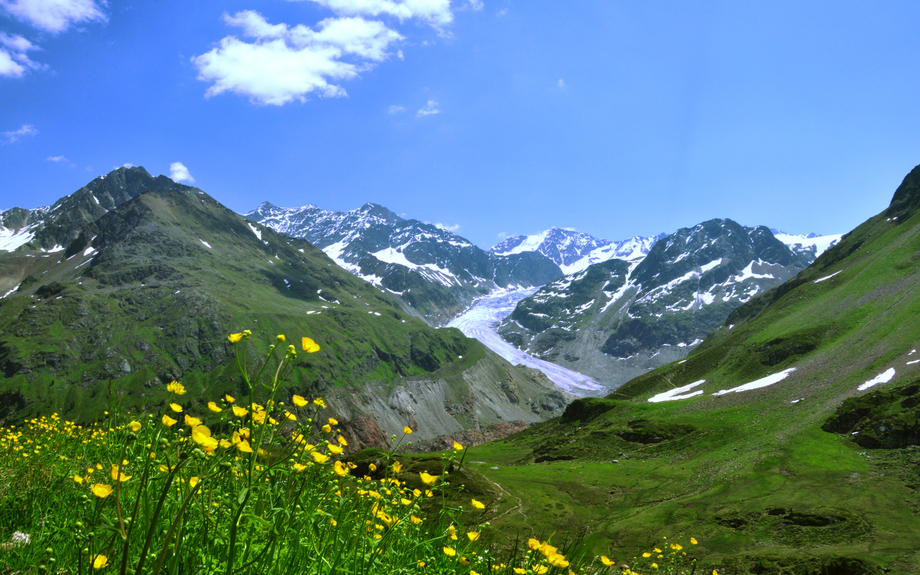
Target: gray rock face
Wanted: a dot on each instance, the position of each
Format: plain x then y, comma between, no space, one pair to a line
616,320
433,272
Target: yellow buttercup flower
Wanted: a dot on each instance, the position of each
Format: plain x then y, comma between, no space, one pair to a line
280,338
309,345
230,398
335,449
299,401
213,407
168,421
239,411
693,541
100,561
175,387
191,421
319,457
457,447
320,403
428,479
244,446
192,481
407,430
473,535
101,490
333,421
607,561
340,469
78,478
478,504
397,467
118,476
175,407
327,428
299,467
449,551
343,442
135,426
235,337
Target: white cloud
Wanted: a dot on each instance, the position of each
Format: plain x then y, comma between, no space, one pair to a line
13,58
394,109
132,165
475,4
435,12
55,159
54,15
399,54
502,12
287,63
179,173
25,130
428,109
454,228
561,84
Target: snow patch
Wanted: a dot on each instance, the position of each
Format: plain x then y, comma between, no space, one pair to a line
762,382
884,377
11,291
711,265
206,244
827,277
255,230
678,393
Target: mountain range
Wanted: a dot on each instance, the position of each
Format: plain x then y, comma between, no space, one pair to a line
133,281
617,319
788,441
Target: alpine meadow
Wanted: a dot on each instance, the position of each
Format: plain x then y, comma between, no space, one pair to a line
459,287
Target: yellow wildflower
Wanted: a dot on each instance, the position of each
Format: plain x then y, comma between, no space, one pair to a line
244,446
235,337
397,467
299,401
78,479
519,571
290,416
478,504
333,421
118,476
415,519
135,426
175,387
191,421
230,398
320,403
101,490
534,544
168,421
693,541
280,338
298,467
407,430
309,345
457,447
192,481
428,479
646,555
340,469
335,449
342,441
175,407
100,561
473,535
327,428
239,411
213,407
319,457
449,551
607,561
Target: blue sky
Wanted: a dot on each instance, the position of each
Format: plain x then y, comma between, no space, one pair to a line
490,117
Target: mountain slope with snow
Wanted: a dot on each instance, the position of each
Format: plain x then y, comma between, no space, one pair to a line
574,251
617,319
431,271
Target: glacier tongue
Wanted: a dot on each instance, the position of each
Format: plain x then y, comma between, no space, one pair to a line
480,321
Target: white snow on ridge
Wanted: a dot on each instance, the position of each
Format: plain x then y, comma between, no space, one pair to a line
530,244
206,244
11,291
762,382
821,243
748,272
711,265
255,230
884,377
678,393
10,240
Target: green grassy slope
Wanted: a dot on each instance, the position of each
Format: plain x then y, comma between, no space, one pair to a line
148,293
752,474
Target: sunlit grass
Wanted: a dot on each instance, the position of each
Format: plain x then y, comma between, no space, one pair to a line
247,487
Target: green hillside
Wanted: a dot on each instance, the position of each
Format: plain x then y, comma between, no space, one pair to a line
752,473
149,291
